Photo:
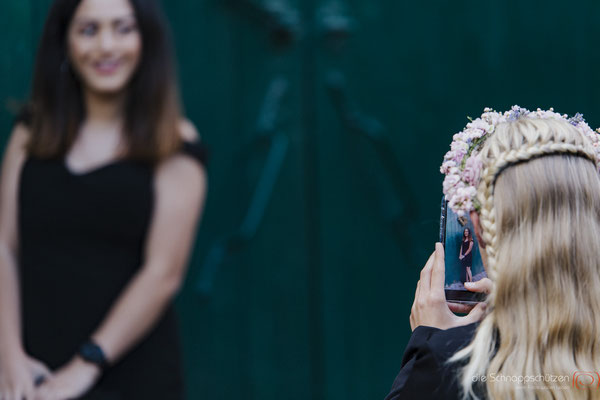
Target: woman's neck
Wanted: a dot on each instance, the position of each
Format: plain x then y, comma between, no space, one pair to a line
104,109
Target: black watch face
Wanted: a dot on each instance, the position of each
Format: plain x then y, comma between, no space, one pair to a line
92,353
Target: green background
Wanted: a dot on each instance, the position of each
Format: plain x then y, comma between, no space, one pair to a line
327,121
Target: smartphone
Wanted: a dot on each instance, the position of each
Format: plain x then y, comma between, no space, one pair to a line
462,257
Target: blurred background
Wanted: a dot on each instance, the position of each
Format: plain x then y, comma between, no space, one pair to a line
327,121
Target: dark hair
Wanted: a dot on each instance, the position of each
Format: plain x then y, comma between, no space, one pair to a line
152,109
469,236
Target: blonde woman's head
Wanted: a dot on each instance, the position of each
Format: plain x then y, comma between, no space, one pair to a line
540,222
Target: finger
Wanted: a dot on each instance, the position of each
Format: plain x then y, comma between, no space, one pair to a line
417,294
426,274
27,393
15,395
438,271
481,286
414,308
460,308
476,314
417,290
40,375
40,368
414,304
41,392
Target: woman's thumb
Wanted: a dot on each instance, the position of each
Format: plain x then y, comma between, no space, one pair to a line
482,286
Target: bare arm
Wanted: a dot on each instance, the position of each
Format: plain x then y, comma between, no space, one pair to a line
179,189
10,313
17,370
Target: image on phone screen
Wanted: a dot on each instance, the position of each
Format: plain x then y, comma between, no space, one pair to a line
462,256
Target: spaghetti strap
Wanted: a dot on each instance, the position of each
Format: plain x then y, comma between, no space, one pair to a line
197,150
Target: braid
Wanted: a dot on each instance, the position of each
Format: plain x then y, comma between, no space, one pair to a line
507,158
485,193
488,220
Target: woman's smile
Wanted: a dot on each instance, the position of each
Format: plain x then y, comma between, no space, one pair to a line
107,67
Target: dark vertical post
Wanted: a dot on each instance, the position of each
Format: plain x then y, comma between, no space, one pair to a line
311,191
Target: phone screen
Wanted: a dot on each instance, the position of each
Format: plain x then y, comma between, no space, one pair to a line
462,257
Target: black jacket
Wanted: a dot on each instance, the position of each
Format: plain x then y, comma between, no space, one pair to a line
425,374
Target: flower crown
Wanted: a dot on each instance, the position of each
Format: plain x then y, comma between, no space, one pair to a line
463,165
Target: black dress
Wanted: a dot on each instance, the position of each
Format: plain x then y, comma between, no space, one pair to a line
425,374
82,239
467,260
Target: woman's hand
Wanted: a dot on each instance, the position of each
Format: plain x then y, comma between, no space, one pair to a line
18,376
38,370
430,307
69,382
16,382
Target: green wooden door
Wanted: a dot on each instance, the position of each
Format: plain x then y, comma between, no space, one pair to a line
327,121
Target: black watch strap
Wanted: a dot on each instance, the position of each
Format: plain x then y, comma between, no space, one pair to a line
93,353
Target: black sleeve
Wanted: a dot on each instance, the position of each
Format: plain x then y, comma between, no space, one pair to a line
421,374
197,150
24,116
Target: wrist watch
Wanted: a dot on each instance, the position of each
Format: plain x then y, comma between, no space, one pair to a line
93,353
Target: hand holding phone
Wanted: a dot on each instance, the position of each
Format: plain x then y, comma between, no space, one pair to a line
430,307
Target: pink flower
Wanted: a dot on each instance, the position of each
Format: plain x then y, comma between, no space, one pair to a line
462,201
474,133
451,183
457,151
459,146
472,170
446,165
480,125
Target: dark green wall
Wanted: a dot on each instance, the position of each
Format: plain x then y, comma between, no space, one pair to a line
327,122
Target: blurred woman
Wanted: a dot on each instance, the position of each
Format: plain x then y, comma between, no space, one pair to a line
102,188
536,215
465,255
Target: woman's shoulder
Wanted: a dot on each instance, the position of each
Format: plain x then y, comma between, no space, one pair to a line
21,131
24,117
21,125
185,168
188,131
18,140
